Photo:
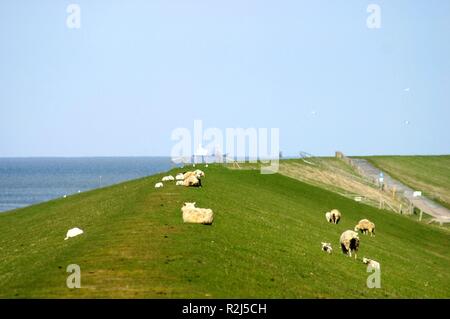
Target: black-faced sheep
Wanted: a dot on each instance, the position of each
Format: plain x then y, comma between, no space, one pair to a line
349,242
196,215
365,226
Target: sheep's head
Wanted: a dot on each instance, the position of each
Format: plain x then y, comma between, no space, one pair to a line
365,260
190,205
356,228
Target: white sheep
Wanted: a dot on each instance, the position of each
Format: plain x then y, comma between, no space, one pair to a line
159,185
179,183
192,181
196,215
73,232
197,173
349,242
168,178
365,226
328,217
335,216
179,177
326,247
372,263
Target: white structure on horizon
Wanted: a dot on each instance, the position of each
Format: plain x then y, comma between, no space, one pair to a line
200,152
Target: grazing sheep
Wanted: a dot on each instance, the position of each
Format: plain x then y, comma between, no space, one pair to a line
73,232
374,264
349,242
196,215
179,183
168,178
206,165
179,177
192,181
335,216
159,185
365,226
326,247
328,217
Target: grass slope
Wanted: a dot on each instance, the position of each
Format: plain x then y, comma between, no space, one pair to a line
430,174
265,242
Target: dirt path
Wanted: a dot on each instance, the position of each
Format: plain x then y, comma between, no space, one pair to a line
426,205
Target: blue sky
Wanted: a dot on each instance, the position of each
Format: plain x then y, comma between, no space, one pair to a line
136,70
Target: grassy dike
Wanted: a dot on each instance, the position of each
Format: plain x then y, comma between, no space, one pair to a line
430,174
265,242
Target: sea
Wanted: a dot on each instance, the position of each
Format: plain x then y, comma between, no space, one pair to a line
27,181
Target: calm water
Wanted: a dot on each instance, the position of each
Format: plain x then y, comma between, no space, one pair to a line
25,181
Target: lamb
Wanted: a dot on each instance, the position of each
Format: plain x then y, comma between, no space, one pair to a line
179,183
326,247
196,215
73,232
365,226
192,181
372,263
179,177
349,242
168,178
159,185
328,217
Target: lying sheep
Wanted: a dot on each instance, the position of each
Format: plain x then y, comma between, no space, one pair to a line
196,215
365,226
168,178
197,173
179,177
192,181
326,247
349,242
372,263
179,183
159,185
73,232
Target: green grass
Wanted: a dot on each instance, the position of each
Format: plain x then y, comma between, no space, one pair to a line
429,174
264,242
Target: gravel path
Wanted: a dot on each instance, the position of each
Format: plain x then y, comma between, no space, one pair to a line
428,206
